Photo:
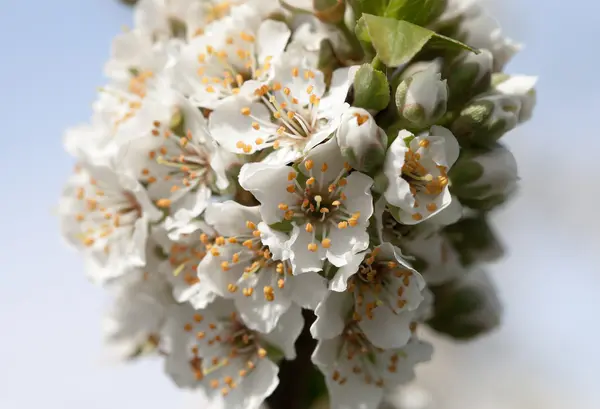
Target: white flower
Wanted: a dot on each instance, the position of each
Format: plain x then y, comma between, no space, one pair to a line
247,263
168,146
417,171
292,115
107,213
214,350
358,374
133,52
382,291
234,56
523,87
187,249
326,206
135,322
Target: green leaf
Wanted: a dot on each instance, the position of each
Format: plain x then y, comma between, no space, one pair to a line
371,89
376,7
421,12
397,42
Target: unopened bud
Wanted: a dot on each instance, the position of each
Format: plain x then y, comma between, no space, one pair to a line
484,179
520,86
474,240
422,98
486,119
466,308
469,76
361,141
330,11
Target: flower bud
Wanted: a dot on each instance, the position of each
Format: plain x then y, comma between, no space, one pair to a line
469,76
361,141
520,86
474,240
330,11
486,119
422,98
484,179
466,308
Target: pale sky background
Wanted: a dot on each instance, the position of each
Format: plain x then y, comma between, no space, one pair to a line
545,355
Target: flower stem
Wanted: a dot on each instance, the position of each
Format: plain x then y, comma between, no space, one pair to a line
300,383
357,51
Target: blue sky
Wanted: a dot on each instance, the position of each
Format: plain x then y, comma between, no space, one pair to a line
50,67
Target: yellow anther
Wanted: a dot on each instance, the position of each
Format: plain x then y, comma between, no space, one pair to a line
246,111
308,164
282,206
313,247
326,243
291,176
163,203
250,225
342,225
309,227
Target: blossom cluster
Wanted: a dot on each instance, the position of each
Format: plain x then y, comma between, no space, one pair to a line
236,171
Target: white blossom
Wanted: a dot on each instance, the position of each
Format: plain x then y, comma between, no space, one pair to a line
382,292
417,171
235,56
213,350
358,374
247,263
292,114
326,206
106,213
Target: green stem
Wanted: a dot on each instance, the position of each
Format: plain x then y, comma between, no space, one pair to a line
294,9
357,51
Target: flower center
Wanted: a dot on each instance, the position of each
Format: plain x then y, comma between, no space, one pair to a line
187,160
379,284
292,121
257,260
224,71
237,343
419,177
319,207
106,210
362,356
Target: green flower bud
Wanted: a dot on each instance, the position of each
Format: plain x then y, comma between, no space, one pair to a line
486,119
484,179
466,308
330,11
468,76
474,240
361,141
421,99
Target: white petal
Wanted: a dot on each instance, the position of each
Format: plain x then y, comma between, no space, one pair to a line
229,218
284,336
272,38
339,282
308,290
303,260
387,329
268,183
331,315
